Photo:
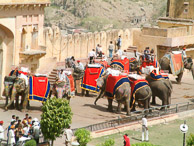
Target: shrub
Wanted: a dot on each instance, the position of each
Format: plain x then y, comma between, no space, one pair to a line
30,143
143,144
83,136
108,142
190,140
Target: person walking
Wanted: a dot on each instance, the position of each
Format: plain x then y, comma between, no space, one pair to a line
110,49
119,42
144,129
126,140
68,136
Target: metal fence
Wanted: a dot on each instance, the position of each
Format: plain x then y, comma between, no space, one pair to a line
137,115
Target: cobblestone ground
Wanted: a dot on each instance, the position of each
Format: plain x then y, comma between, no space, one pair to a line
86,113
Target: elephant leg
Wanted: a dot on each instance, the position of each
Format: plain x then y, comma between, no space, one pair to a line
6,102
26,102
17,101
153,99
99,96
87,93
11,102
110,109
164,102
178,79
146,106
132,107
127,106
119,107
83,92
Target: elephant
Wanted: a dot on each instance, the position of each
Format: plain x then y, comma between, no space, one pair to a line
18,88
142,96
188,64
161,88
60,90
122,95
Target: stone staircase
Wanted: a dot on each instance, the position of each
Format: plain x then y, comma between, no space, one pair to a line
52,76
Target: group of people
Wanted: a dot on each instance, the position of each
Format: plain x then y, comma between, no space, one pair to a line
20,130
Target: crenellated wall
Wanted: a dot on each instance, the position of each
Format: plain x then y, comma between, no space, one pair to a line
79,45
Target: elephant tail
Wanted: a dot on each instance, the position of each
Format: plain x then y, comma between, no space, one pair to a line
149,94
99,96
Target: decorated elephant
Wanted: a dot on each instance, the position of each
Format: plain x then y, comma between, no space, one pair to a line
160,87
31,88
168,61
141,93
18,88
122,93
8,85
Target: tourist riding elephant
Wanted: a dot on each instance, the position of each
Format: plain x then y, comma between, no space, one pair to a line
18,89
122,94
161,88
188,64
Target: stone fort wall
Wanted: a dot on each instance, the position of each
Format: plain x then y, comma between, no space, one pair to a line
79,45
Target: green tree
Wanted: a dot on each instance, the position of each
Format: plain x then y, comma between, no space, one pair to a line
56,116
190,140
83,136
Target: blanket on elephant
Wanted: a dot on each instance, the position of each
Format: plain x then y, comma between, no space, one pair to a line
39,88
158,76
135,86
113,83
90,76
122,64
176,63
71,81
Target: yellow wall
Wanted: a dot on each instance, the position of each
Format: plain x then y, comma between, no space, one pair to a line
22,1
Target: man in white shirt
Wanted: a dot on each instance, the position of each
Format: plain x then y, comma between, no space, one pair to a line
184,52
144,128
62,76
1,132
36,132
119,52
68,136
92,56
80,65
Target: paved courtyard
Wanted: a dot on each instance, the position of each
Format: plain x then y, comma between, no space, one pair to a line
86,113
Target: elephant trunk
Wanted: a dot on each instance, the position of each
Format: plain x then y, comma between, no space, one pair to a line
13,95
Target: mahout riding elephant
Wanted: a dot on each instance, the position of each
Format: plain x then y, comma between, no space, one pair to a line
188,64
161,88
122,94
18,88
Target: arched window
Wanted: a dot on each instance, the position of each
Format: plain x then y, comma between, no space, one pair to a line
23,39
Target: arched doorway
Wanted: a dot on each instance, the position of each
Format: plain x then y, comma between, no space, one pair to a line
6,53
